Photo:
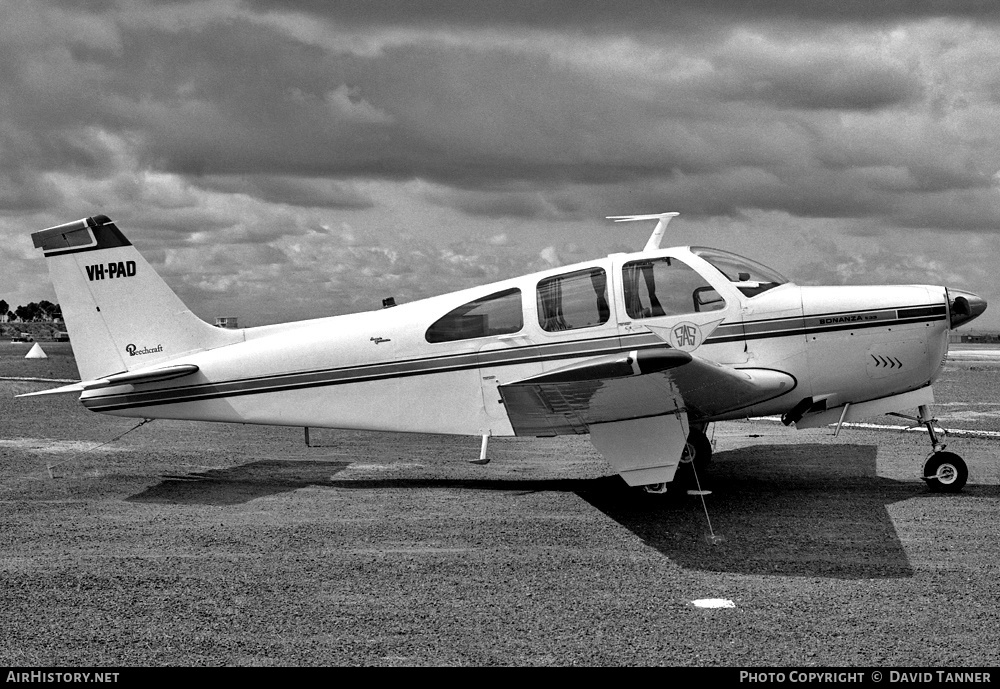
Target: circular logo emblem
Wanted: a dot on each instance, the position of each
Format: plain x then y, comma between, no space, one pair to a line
685,336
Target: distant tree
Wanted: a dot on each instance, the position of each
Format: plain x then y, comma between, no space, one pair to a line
46,309
41,311
31,312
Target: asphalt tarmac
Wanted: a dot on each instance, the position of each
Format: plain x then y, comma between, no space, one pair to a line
217,544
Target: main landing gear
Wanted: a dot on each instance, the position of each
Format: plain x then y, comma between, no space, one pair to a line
944,472
695,462
697,455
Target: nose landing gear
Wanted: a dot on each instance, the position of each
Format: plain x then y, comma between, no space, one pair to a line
944,472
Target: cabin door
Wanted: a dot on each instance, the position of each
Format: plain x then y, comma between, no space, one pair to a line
662,300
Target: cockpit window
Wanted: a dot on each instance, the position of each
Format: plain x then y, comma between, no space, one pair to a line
666,287
497,314
749,277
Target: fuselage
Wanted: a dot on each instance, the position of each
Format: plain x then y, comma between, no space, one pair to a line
435,365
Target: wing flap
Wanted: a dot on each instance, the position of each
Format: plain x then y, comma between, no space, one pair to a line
643,451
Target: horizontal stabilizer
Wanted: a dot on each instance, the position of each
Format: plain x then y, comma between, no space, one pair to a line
155,375
650,216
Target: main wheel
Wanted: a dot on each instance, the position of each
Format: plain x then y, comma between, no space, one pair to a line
945,472
697,456
698,450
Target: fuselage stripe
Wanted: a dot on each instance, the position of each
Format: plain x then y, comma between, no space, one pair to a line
548,352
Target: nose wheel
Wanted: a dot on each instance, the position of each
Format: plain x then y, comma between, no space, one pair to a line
945,472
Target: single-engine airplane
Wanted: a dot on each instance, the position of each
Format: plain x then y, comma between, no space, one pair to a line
640,350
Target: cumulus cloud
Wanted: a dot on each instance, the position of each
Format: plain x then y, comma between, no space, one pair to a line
220,130
309,192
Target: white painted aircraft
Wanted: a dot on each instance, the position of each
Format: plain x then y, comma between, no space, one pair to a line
641,350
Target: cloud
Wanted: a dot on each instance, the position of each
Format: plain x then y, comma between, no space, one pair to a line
313,192
219,129
680,16
816,73
881,265
524,202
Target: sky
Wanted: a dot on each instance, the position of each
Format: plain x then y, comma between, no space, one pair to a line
277,161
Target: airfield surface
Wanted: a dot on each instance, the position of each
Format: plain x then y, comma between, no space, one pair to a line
217,544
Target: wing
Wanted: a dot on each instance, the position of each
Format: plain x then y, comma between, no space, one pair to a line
639,384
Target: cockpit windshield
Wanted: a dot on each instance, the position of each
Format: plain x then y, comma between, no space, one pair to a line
749,277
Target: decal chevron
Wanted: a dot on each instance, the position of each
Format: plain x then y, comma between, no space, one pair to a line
890,361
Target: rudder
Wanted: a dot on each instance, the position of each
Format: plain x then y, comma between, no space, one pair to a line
119,312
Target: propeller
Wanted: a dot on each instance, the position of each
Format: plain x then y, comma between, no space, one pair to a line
964,306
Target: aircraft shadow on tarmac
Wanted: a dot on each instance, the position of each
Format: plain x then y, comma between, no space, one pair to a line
240,484
789,510
792,510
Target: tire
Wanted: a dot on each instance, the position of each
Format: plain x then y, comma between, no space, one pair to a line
697,456
698,450
945,472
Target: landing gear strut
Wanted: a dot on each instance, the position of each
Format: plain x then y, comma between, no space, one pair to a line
694,463
944,472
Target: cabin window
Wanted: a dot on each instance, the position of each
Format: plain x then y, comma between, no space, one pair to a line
666,287
496,314
573,300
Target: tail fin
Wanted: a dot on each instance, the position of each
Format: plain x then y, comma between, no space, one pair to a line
119,313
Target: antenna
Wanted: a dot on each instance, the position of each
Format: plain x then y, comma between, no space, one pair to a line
654,239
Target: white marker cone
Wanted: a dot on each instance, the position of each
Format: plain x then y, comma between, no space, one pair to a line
36,353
